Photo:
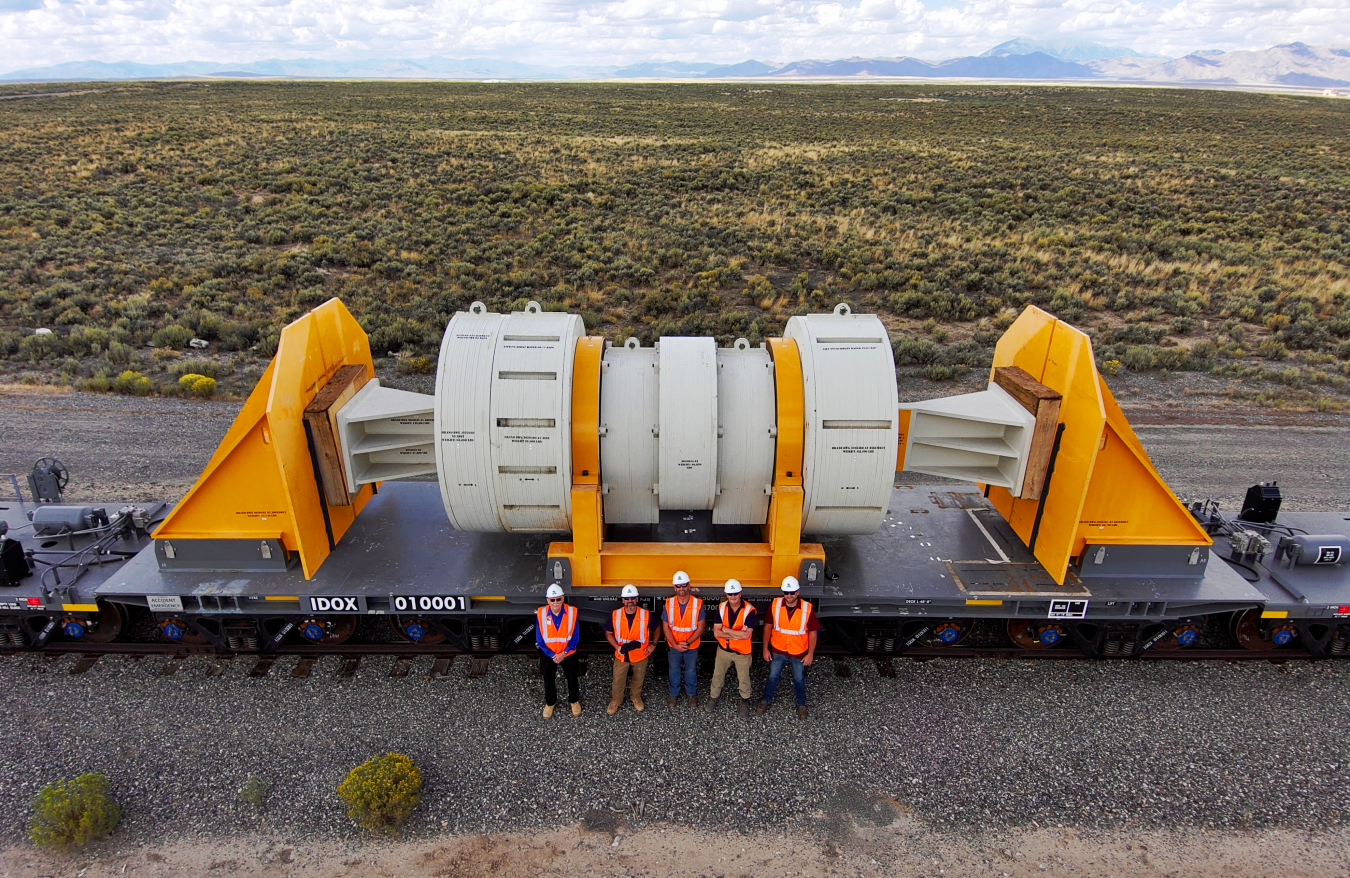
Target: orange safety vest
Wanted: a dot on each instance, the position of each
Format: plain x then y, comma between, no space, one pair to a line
736,624
638,631
556,637
682,625
791,640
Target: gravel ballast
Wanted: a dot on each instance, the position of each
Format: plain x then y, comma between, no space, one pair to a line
960,744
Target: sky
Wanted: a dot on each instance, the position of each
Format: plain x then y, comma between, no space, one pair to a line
606,32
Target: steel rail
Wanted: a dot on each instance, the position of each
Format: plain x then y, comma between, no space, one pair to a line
438,650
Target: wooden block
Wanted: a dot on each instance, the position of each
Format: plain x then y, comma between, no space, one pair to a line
321,418
1023,388
1043,402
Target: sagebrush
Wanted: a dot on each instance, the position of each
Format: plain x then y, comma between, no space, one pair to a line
72,813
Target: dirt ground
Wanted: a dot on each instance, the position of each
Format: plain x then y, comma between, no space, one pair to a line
903,847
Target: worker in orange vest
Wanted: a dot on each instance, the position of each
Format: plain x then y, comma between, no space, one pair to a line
682,622
734,625
633,633
791,631
557,632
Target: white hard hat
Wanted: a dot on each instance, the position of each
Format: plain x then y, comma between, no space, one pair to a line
732,587
554,591
680,578
629,591
790,583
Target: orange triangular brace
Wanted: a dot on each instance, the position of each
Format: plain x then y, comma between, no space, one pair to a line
1104,489
260,482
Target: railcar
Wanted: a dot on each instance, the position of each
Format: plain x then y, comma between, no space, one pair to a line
337,511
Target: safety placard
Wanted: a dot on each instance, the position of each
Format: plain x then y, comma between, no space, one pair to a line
164,603
1064,609
428,603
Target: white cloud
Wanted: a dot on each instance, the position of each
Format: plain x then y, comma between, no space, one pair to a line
580,32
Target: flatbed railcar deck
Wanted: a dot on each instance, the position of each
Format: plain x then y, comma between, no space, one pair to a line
943,575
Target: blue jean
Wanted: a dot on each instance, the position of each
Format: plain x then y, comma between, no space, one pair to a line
776,671
688,660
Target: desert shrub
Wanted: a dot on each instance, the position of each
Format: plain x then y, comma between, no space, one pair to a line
938,372
1139,358
267,345
73,813
88,341
381,792
207,368
203,387
915,350
417,365
1272,349
1110,367
132,384
172,336
122,354
253,791
36,348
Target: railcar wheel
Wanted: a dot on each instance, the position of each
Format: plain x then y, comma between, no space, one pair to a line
1035,633
111,619
328,632
177,630
1247,628
416,630
945,632
1174,635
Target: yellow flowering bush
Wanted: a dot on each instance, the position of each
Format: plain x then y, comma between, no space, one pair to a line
381,792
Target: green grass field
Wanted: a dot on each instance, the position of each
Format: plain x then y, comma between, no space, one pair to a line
1187,230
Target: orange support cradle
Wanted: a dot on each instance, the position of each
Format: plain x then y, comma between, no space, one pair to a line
260,482
1103,488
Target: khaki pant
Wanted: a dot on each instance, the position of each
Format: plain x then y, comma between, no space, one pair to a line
725,659
621,670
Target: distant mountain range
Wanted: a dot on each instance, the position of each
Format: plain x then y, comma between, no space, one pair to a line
1294,64
1291,64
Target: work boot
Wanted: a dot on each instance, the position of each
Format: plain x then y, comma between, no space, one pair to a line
637,704
613,708
801,711
576,708
693,702
761,707
712,700
548,711
670,701
745,708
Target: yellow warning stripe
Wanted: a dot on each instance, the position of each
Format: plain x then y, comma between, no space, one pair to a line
983,603
80,608
488,599
1275,614
282,597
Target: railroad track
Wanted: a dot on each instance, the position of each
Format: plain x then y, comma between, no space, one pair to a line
444,657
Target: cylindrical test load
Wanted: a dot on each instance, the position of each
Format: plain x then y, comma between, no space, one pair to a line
682,426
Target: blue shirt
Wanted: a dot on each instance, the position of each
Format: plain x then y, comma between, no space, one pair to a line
557,620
